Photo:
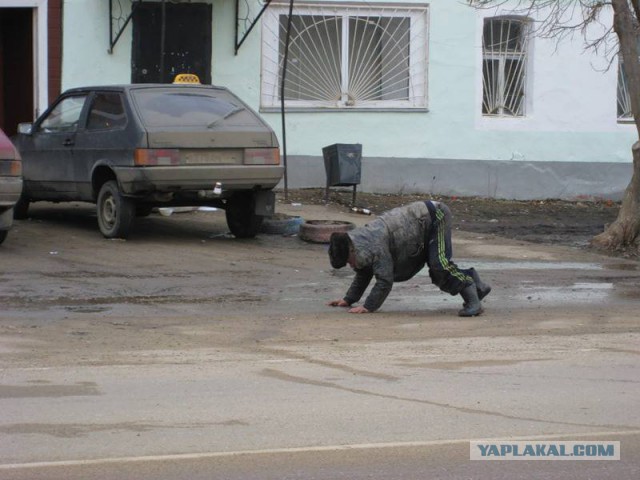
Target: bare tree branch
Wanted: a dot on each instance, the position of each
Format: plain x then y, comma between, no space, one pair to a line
620,42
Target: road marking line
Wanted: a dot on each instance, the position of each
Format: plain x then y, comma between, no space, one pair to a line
274,451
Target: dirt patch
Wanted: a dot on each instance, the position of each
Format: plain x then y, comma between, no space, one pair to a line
571,223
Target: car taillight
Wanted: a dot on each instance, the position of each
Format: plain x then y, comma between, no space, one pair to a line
149,157
10,168
262,156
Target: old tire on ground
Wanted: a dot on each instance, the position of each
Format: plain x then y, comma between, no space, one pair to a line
241,217
281,224
319,231
115,212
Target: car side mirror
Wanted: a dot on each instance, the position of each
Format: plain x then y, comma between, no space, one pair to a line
25,128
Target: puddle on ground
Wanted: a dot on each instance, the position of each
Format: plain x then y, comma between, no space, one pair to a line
624,266
528,295
524,265
577,293
49,391
631,294
87,309
472,363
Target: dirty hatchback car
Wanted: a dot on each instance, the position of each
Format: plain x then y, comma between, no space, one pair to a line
131,148
10,183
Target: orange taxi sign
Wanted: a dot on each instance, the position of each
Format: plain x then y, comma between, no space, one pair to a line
187,78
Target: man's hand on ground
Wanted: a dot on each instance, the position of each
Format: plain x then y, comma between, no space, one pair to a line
339,303
358,310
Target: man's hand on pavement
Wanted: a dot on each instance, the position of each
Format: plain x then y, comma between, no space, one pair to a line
342,303
339,303
358,310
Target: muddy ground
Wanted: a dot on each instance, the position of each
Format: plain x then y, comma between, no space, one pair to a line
571,223
183,340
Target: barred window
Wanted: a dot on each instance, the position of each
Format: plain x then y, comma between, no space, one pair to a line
624,99
504,66
345,57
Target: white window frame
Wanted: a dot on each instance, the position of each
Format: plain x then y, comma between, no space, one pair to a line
502,58
418,55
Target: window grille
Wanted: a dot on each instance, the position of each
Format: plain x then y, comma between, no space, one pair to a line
624,99
504,66
345,57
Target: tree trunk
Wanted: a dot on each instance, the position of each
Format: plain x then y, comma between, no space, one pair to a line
624,232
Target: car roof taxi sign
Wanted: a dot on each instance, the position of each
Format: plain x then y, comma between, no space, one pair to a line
187,78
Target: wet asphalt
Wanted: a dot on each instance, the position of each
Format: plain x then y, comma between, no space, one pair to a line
184,353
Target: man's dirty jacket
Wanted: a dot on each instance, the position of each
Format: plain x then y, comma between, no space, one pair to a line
391,248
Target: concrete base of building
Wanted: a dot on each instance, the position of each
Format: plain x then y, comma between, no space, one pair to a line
512,180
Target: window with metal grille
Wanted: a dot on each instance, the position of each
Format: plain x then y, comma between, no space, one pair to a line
504,66
346,57
624,100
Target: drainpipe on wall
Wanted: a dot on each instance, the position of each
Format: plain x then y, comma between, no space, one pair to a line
284,74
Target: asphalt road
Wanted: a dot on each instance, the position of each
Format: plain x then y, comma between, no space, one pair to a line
184,353
447,460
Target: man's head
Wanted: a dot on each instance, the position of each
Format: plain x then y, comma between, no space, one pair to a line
339,249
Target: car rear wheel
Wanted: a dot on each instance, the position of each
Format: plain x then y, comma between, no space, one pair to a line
241,217
115,212
3,235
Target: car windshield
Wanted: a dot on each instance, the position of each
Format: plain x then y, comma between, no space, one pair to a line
163,108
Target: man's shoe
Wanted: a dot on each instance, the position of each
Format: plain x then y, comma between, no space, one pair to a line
471,306
482,288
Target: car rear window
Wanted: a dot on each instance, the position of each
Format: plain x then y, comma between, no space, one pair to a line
185,108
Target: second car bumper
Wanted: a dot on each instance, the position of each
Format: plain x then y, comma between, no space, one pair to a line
10,191
6,218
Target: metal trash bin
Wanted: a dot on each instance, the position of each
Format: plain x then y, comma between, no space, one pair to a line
343,165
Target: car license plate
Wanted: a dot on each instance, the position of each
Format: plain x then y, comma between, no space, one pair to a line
212,157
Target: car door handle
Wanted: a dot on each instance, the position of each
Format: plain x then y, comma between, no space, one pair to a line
68,142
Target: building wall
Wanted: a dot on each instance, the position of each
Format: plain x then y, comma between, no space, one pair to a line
569,144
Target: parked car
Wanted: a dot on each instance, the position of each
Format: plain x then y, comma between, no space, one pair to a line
10,183
130,148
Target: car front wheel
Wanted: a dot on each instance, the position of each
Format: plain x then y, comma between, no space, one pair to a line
115,212
241,217
3,235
